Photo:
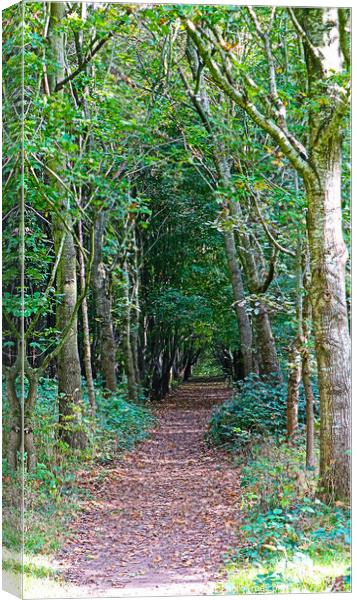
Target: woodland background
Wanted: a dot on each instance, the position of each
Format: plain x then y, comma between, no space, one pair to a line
176,203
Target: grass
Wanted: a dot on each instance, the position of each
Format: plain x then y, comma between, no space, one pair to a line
287,576
40,578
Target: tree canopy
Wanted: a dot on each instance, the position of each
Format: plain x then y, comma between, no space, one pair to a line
180,194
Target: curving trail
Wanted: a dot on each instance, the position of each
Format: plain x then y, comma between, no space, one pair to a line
163,514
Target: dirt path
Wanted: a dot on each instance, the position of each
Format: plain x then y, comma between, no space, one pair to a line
164,514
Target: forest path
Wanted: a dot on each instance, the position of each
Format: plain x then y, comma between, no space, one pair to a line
163,514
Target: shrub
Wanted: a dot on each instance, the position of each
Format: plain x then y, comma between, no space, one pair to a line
257,408
125,422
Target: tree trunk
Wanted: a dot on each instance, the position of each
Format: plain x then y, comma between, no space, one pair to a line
328,253
265,344
32,376
135,329
245,330
127,343
21,437
202,106
15,414
330,323
295,354
266,349
292,411
87,355
69,371
309,396
69,368
187,372
103,309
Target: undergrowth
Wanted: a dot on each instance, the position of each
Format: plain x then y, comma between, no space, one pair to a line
290,541
256,408
53,493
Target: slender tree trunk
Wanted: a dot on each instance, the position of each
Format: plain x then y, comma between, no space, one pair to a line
17,427
69,368
87,354
32,376
295,355
293,389
224,177
69,371
14,446
187,372
103,309
266,349
245,330
135,329
127,344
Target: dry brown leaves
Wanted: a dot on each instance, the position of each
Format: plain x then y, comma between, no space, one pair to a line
164,512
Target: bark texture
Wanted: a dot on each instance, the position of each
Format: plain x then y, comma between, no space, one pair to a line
328,252
69,370
129,360
245,329
103,308
295,359
87,353
306,380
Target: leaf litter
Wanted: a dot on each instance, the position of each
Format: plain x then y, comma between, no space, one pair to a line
165,513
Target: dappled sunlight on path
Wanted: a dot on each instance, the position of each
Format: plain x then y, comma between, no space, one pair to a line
163,515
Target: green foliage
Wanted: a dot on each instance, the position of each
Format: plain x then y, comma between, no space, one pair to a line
257,409
126,422
126,142
291,540
207,366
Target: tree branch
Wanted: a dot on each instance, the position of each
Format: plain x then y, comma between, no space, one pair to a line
91,53
270,275
342,26
266,228
281,111
48,288
315,51
242,100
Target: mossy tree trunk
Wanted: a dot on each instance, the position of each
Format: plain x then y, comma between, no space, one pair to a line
328,253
